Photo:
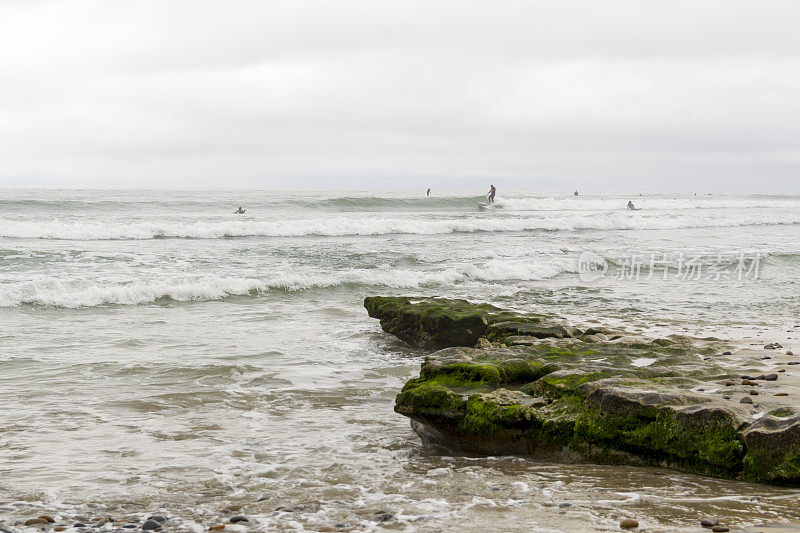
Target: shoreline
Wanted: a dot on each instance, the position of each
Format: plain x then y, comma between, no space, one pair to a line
744,355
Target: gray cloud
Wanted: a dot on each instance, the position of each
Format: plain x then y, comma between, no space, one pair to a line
322,93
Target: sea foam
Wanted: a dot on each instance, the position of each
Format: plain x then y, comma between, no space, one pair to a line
90,293
378,225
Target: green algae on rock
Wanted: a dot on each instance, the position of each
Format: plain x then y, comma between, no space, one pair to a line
435,323
537,387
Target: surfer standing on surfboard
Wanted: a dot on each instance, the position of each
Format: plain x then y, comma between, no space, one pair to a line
490,194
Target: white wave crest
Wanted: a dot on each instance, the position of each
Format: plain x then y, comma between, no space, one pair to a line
342,226
91,293
683,203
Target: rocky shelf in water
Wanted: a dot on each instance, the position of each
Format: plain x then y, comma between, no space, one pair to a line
510,383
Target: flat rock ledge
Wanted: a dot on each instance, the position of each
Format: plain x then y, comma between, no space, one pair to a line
506,383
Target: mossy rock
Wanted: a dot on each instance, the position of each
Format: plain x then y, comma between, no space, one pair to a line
613,398
773,449
435,323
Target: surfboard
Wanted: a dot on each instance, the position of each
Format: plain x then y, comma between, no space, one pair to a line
483,205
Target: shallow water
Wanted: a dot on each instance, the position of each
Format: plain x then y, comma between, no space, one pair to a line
160,354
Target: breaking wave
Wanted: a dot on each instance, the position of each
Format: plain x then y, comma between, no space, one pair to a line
266,201
344,226
683,203
91,293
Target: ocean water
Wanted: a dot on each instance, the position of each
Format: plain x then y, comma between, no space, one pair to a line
160,354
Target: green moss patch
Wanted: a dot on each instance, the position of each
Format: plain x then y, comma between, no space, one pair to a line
549,390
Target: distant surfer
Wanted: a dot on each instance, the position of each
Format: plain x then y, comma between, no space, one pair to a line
575,193
490,194
631,207
240,211
428,193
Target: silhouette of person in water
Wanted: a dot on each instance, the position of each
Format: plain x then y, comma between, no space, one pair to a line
575,193
428,193
631,207
240,211
490,194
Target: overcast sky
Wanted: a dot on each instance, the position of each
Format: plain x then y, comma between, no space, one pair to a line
548,94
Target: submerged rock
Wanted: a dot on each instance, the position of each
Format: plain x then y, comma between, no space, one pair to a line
150,525
563,396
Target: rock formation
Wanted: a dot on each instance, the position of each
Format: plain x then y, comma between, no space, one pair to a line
511,383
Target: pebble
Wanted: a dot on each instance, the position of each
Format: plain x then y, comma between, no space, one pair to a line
781,394
729,383
158,518
48,518
789,352
772,377
35,521
726,397
793,363
385,517
149,525
719,529
709,522
749,382
129,526
746,399
766,357
238,518
59,528
726,353
217,527
562,505
629,523
753,392
78,524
